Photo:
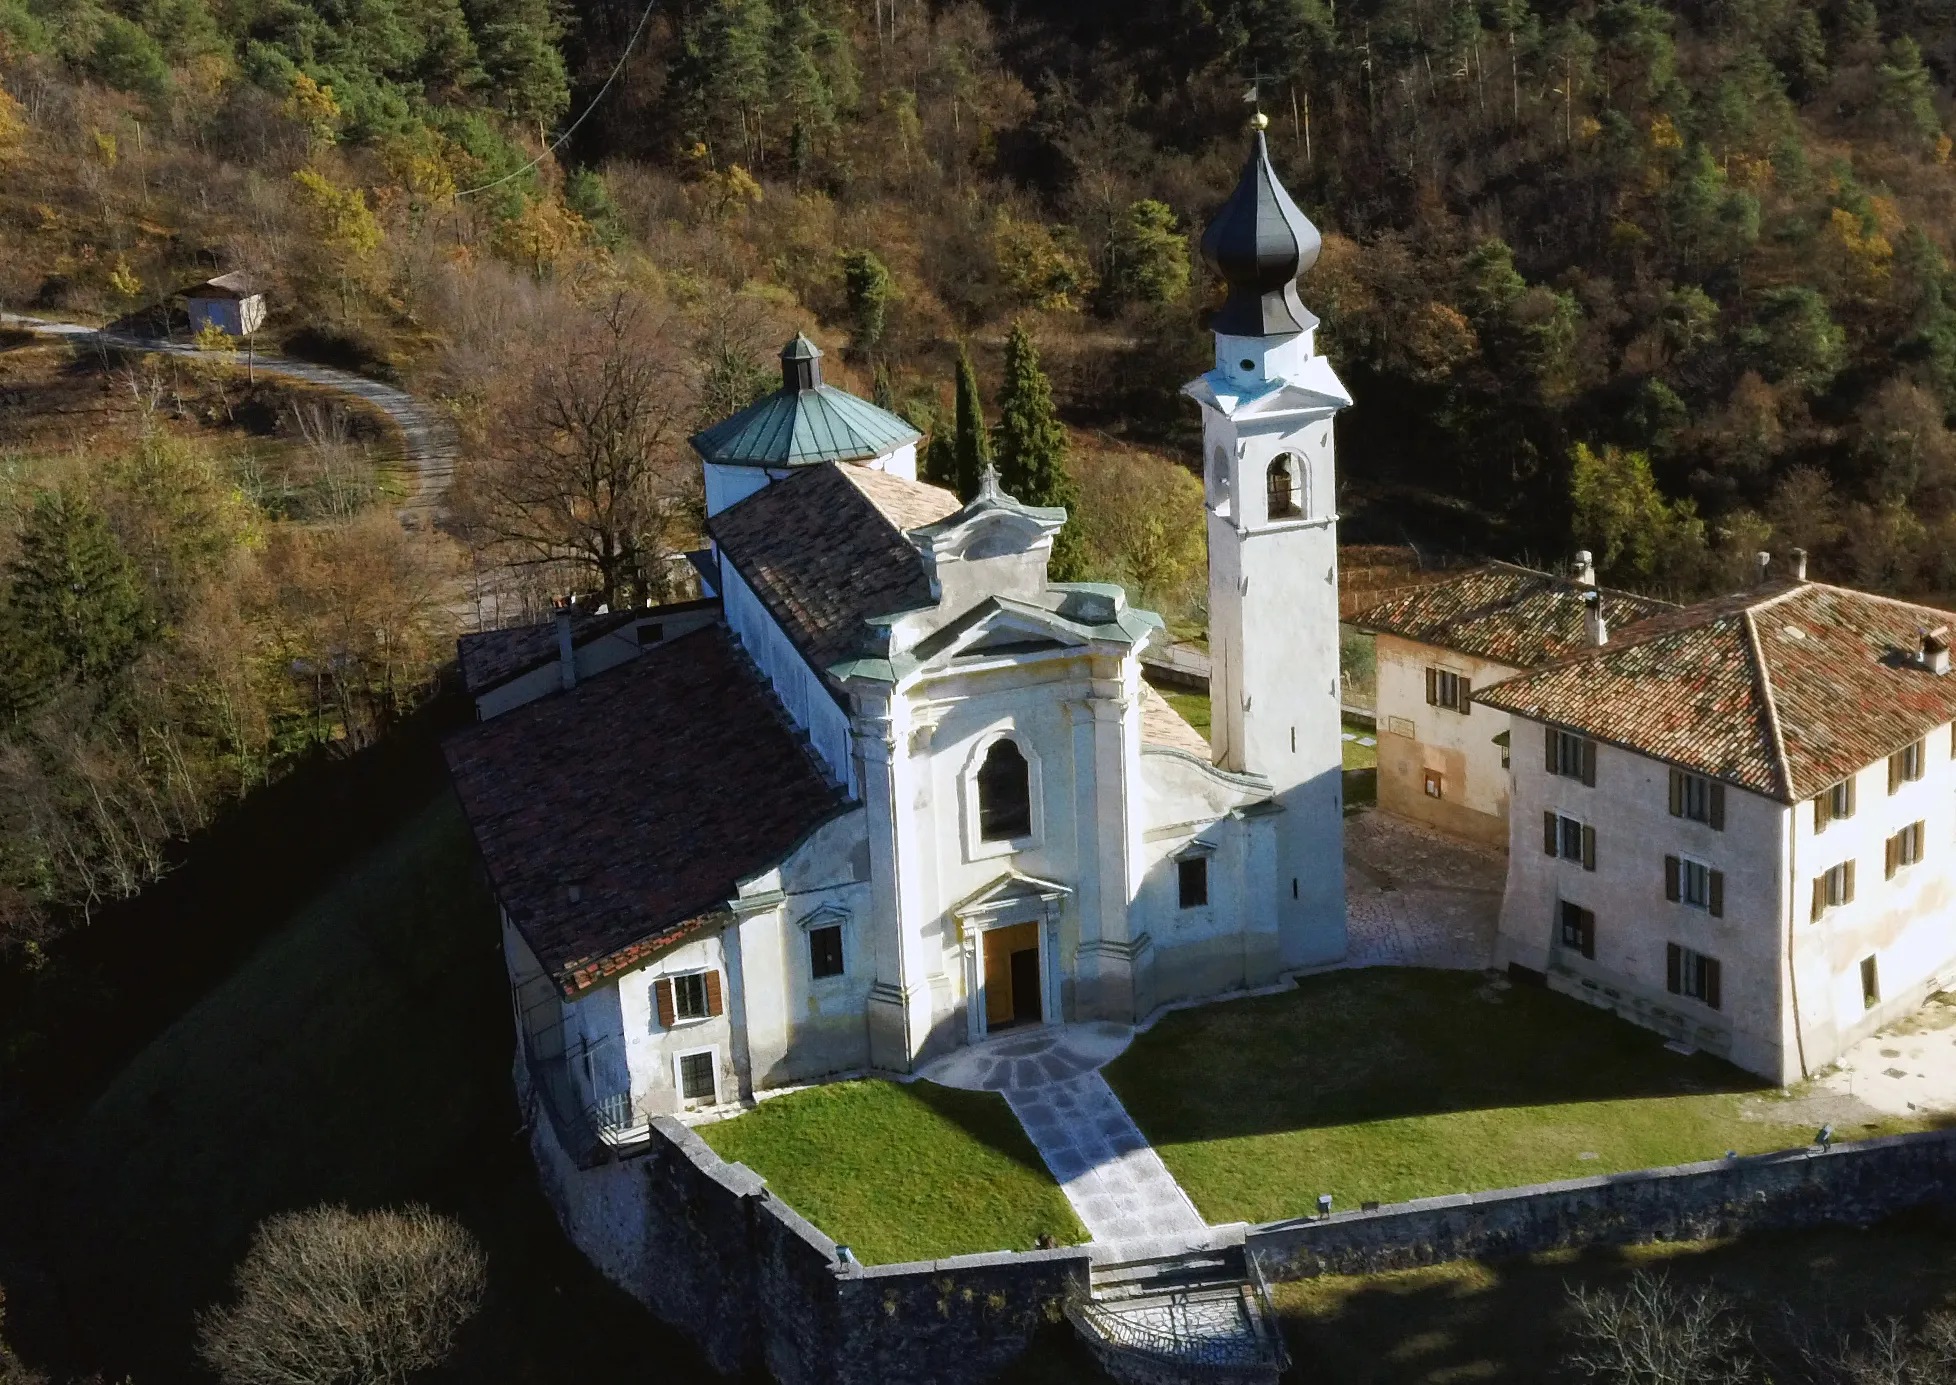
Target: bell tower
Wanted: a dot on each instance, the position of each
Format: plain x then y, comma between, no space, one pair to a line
1271,494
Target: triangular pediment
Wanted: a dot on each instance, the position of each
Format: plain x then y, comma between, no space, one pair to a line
1008,891
999,626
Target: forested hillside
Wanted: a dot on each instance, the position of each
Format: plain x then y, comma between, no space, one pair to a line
1670,281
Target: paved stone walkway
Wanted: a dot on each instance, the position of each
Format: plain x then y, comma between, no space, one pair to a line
1050,1077
1414,898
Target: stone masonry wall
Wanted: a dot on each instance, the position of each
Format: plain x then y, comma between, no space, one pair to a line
708,1248
1853,1184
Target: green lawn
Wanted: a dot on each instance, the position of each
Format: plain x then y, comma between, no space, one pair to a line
1390,1084
902,1171
360,1054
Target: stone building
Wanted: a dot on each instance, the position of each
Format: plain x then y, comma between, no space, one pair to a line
893,789
1443,756
1734,822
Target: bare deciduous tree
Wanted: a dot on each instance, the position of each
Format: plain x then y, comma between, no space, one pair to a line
1653,1332
586,462
335,1297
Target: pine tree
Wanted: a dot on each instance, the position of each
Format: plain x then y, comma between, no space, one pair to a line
870,289
1032,448
970,446
77,603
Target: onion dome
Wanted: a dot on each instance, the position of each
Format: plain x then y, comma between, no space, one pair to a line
804,422
1259,243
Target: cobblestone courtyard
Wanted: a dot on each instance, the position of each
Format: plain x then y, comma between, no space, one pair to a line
1414,898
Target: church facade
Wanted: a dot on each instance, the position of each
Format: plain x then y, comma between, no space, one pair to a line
891,789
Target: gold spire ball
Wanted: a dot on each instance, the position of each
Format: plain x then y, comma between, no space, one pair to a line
1259,121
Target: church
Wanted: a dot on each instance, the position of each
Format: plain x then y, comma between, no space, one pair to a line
890,789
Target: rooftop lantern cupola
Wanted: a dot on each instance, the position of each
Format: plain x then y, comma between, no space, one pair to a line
1259,243
801,364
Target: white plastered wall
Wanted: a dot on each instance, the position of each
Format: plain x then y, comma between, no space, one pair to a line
1907,924
1415,737
1630,810
801,691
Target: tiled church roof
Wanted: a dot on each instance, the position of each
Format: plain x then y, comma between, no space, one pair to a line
1783,690
648,791
1512,615
825,551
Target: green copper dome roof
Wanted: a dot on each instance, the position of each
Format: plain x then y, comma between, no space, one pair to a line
803,422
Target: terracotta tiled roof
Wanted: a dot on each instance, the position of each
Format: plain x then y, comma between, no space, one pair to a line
649,790
1512,615
1162,725
825,550
1782,690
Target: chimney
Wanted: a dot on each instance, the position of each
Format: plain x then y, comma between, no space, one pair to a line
1799,565
1585,567
1934,654
1765,562
566,656
1592,619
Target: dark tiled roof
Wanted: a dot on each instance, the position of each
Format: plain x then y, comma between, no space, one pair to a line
1512,615
490,658
801,427
651,789
1782,690
825,550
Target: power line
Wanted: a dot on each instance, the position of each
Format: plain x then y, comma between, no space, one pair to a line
558,143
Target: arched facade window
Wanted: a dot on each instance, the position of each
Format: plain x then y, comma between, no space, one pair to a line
1004,794
1283,489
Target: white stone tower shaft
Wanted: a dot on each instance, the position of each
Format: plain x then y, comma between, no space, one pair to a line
1271,490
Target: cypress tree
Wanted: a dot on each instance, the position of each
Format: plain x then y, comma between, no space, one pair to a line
970,446
1032,448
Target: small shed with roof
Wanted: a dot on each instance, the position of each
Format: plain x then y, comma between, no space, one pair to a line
233,303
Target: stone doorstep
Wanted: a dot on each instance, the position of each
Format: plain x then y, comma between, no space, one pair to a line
1211,1238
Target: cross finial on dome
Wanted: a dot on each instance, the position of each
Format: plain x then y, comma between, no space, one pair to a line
1259,243
988,484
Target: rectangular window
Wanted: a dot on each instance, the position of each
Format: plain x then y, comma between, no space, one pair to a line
1569,839
1870,984
1833,804
1692,974
825,951
689,996
1571,756
1833,888
1578,929
1436,784
1698,798
1905,766
1695,884
1449,690
1904,848
696,1077
1192,882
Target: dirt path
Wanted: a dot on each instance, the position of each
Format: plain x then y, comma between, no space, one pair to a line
429,439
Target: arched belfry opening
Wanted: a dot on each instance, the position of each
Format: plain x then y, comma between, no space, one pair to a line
1283,488
1004,794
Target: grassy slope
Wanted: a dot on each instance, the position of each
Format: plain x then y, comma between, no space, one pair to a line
1392,1084
360,1055
1471,1321
902,1171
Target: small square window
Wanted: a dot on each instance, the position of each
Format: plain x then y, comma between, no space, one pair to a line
825,951
1436,784
650,633
1572,756
689,996
1192,882
1449,690
696,1077
1692,974
1578,930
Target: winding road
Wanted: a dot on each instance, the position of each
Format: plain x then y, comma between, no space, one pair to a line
429,440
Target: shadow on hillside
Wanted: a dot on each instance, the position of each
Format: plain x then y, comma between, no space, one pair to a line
1376,1044
1508,1321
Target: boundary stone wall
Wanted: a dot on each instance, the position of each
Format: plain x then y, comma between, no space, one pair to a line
709,1249
1845,1185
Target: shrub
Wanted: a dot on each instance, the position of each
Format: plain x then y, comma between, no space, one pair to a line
335,1297
1653,1332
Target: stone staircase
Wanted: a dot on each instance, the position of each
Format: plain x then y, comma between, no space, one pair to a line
1192,1316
